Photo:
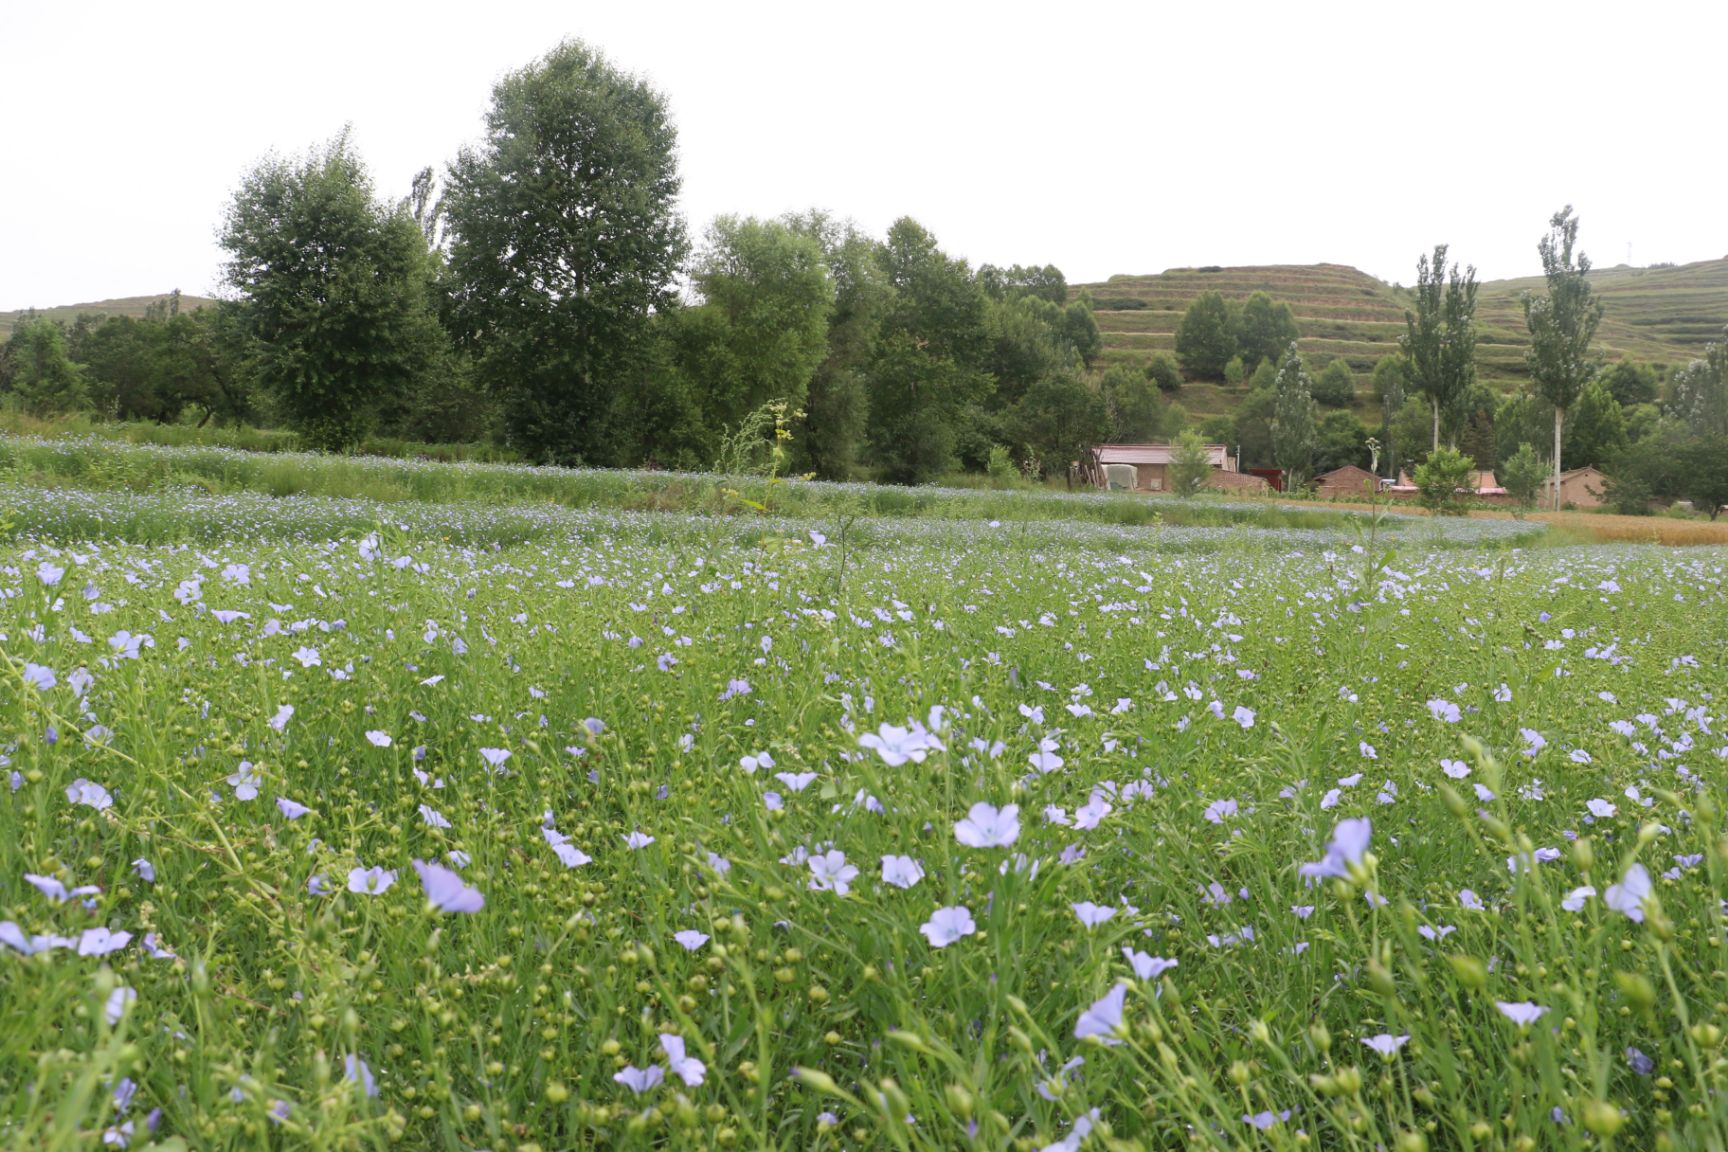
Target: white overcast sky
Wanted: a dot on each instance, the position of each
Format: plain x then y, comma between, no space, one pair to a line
1102,138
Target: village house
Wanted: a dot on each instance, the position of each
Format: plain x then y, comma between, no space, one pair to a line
1146,468
1345,482
1579,488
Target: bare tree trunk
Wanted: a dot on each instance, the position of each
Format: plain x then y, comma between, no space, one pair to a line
1436,425
1559,419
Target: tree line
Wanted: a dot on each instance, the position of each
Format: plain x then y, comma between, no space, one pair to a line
544,291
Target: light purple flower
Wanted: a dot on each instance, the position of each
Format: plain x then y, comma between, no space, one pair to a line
1104,1017
1627,897
13,937
245,781
118,1001
91,795
1386,1044
901,871
1092,915
370,881
357,1071
56,891
432,817
1522,1013
495,757
445,890
570,855
986,826
1576,898
946,925
1444,711
1349,841
146,871
690,939
379,739
636,841
100,941
897,746
1220,810
1147,967
39,676
283,715
829,872
640,1080
687,1068
291,809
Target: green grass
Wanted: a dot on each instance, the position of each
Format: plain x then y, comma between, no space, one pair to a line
95,463
1181,729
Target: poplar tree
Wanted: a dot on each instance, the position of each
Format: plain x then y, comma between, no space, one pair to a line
1440,335
1562,324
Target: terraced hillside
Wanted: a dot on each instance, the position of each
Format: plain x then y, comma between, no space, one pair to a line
123,306
1655,315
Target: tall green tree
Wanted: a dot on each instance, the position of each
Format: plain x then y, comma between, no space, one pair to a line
761,329
928,386
1335,387
1251,428
1059,418
1562,323
331,291
1340,439
564,240
1596,429
1027,343
1080,330
1521,474
1632,384
1206,337
1264,328
1700,393
40,372
1705,474
1190,464
1409,430
1294,432
1439,342
1137,413
829,441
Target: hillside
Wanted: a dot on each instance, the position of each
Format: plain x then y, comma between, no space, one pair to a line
1654,315
124,306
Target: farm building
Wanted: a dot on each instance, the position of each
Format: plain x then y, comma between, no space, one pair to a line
1347,481
1145,467
1579,488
